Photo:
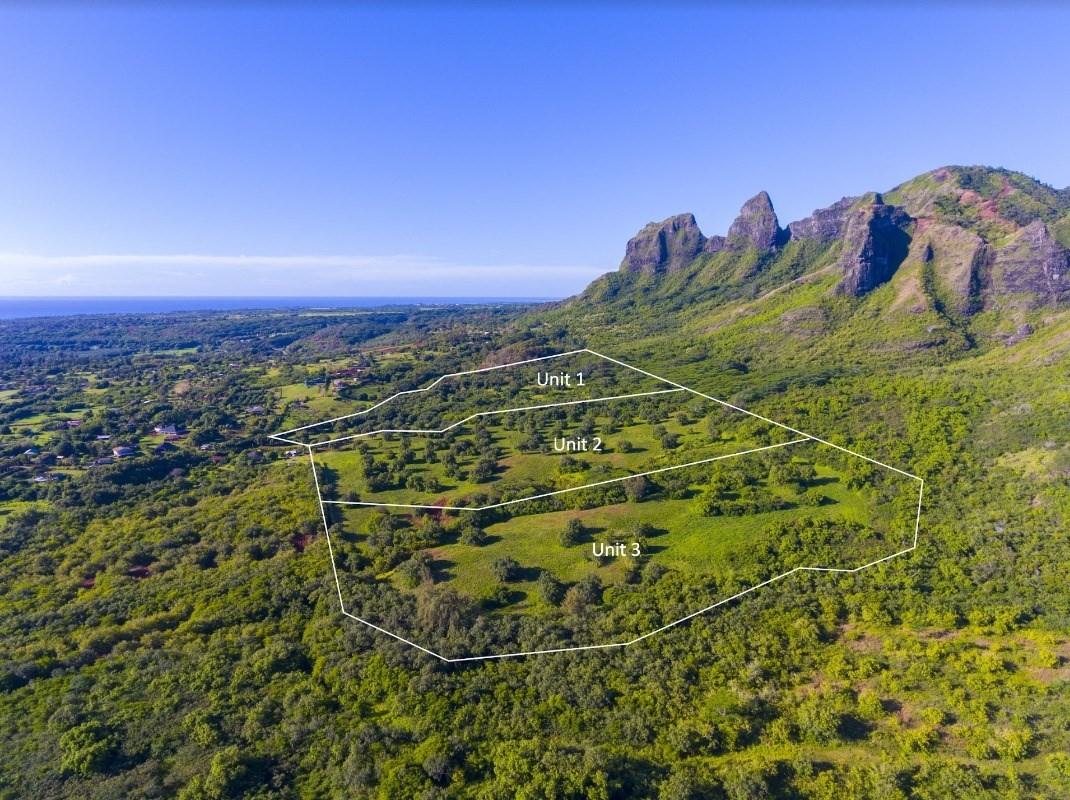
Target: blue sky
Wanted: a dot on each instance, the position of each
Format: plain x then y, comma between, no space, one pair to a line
286,150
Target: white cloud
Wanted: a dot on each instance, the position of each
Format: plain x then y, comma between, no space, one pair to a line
192,274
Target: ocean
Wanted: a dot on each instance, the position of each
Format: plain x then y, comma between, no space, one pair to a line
23,307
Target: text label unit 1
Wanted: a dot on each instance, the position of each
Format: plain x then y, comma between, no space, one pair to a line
562,380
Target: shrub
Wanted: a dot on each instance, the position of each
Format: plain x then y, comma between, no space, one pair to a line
550,588
473,536
505,569
636,488
572,534
88,748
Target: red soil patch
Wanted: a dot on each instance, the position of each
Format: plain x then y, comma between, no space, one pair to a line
988,208
300,541
89,583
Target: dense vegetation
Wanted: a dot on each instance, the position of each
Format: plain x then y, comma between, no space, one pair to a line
638,552
169,624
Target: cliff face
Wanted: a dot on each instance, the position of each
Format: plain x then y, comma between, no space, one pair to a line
1033,266
875,242
991,237
666,246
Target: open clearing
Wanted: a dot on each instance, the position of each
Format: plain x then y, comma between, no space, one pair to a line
562,490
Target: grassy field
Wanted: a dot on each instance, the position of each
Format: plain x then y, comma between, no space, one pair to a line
685,541
626,449
680,538
678,533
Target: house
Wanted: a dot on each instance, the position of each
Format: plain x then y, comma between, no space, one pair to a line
74,423
165,430
123,451
102,461
292,453
33,451
348,372
46,478
255,409
103,437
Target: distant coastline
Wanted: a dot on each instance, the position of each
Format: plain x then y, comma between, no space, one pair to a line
27,307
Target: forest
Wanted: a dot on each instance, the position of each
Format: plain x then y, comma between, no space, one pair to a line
170,627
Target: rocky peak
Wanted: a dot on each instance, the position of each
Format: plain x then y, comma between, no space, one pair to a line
875,242
757,225
825,224
666,246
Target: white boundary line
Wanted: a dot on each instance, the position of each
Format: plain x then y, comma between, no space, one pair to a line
756,416
806,436
435,383
571,488
334,568
488,414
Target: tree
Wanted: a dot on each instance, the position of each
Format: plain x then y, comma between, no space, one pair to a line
572,534
860,474
430,453
574,602
550,588
442,610
636,488
792,475
669,441
483,470
451,466
228,776
473,536
582,595
418,569
88,748
505,569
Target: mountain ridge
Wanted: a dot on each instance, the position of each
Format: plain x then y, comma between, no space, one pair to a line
950,264
1020,231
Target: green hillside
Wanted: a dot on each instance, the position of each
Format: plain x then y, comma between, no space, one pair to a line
169,620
